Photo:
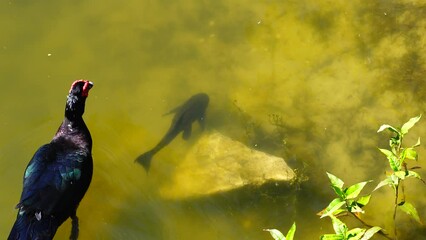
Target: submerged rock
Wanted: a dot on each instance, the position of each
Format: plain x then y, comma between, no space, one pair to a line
218,164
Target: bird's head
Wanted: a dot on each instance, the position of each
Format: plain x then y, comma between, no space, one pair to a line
80,88
76,99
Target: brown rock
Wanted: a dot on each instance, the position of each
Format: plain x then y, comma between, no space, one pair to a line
217,164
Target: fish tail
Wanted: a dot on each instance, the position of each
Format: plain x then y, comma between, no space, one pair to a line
29,227
145,159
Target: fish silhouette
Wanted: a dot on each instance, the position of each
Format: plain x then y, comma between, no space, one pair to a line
192,110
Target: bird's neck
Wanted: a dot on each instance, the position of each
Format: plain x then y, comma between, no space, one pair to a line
76,131
74,108
73,129
74,125
73,121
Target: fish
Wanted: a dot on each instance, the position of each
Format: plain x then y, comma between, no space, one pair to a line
194,109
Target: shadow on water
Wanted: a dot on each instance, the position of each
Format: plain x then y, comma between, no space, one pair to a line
397,24
235,213
213,216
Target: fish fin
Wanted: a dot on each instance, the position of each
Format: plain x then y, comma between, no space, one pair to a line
202,122
187,132
174,110
145,160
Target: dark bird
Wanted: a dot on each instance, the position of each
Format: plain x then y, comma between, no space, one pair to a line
58,175
194,109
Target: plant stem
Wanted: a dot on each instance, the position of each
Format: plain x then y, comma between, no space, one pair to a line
398,154
395,208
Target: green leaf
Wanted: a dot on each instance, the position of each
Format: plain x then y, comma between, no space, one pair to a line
409,124
355,234
339,227
386,152
393,160
332,237
362,201
417,143
410,153
387,181
394,141
339,211
336,204
409,174
387,126
339,192
276,234
400,174
414,175
370,232
335,181
290,233
394,180
354,190
356,209
409,209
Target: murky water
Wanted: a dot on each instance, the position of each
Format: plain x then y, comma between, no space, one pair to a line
329,73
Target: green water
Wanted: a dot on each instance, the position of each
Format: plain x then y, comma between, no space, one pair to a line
334,71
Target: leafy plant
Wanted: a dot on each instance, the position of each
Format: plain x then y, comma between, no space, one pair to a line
347,202
342,232
277,235
398,155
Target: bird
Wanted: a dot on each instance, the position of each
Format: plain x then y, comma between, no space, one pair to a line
194,109
58,175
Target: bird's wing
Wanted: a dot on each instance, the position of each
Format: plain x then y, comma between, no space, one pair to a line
48,175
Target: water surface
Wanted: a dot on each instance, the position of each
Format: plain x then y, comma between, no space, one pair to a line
310,81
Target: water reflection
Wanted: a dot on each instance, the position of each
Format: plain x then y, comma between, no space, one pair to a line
333,71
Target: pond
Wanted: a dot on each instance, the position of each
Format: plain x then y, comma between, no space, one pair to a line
309,81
